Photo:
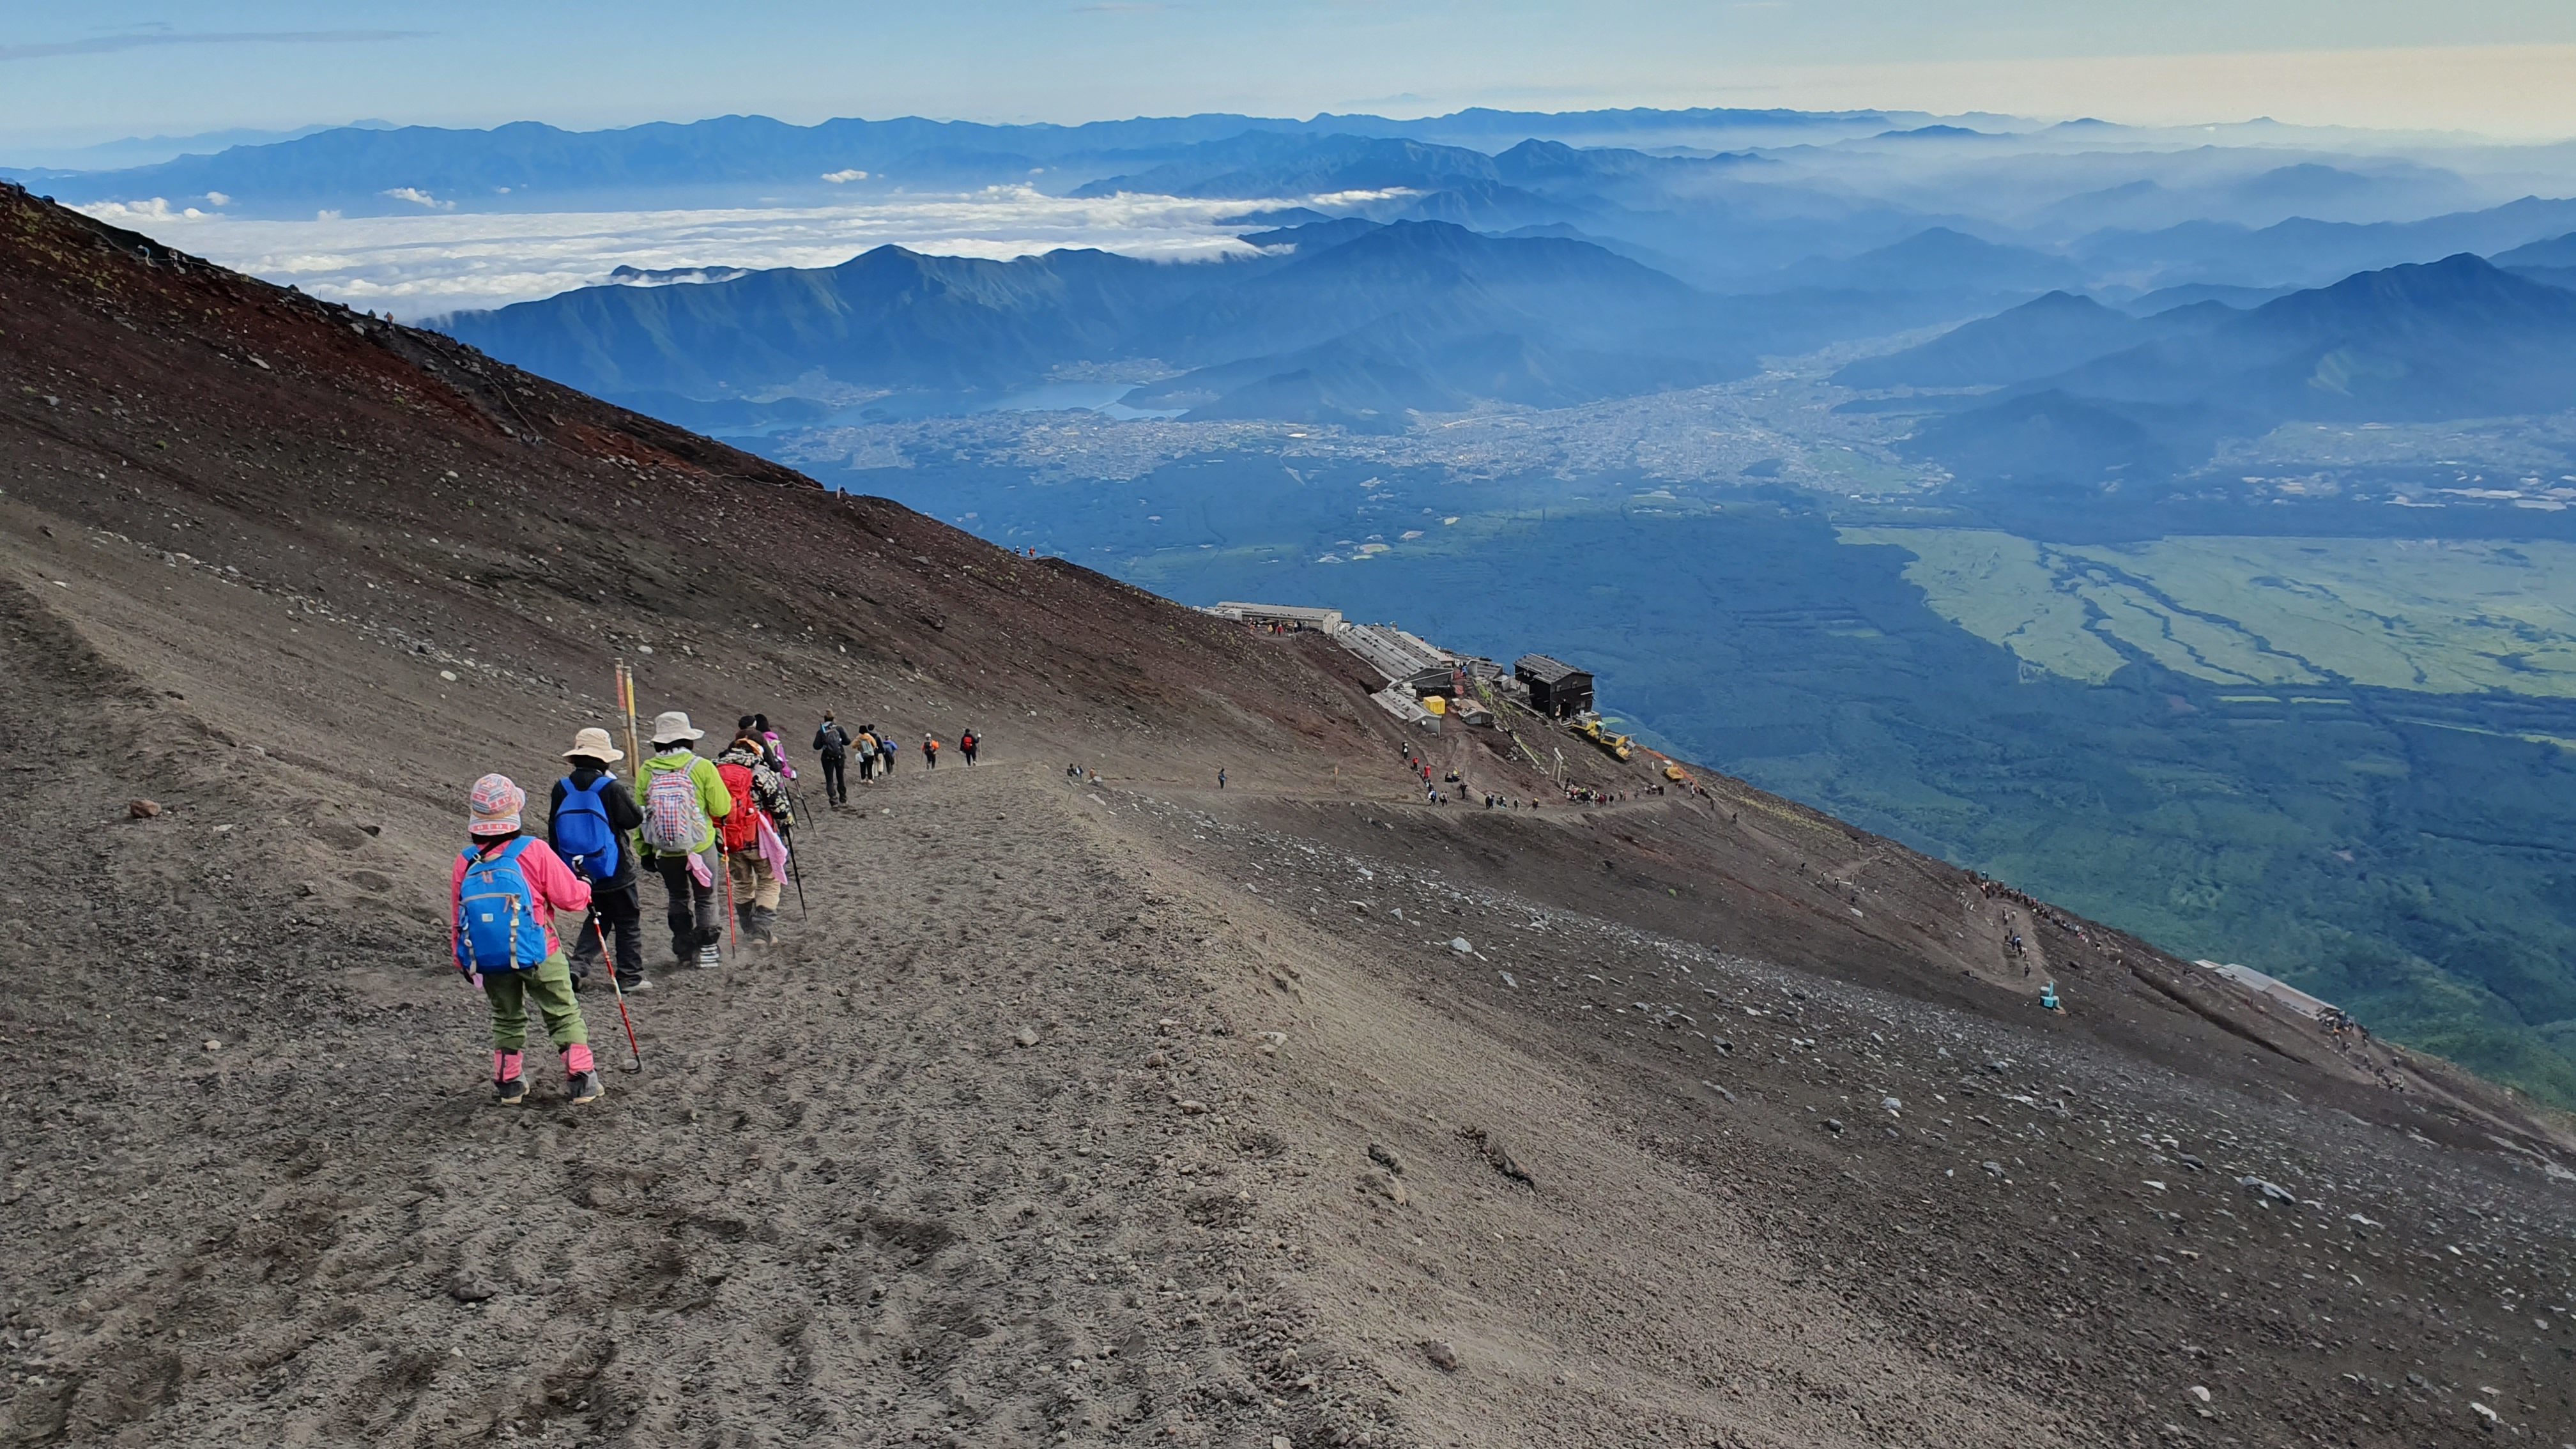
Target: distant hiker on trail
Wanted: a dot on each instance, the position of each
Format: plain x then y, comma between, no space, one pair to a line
591,821
502,896
930,752
755,851
966,744
866,745
833,743
683,799
1220,777
886,752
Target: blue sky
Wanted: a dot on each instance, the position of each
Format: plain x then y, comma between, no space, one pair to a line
112,68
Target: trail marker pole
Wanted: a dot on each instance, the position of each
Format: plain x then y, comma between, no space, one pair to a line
626,702
608,959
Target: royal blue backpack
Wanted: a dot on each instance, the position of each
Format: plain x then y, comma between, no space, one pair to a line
499,925
582,833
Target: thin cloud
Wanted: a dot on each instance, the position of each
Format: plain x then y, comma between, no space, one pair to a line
138,40
419,262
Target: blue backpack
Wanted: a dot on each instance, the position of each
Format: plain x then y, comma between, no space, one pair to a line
582,833
499,925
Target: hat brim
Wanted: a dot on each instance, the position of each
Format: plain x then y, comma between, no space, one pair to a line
683,735
494,827
609,756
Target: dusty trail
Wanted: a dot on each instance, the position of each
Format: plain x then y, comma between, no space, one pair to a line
844,1201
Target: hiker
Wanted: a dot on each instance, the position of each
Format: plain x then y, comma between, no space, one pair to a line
502,897
774,747
886,753
833,742
930,752
683,799
591,822
1220,777
966,744
755,852
866,747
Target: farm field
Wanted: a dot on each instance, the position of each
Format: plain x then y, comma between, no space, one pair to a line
2435,616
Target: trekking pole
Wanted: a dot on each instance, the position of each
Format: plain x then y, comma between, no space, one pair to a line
609,959
732,937
795,872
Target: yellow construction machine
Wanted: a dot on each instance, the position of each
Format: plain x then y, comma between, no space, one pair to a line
1589,726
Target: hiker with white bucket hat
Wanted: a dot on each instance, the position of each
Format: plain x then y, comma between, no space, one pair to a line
592,822
684,797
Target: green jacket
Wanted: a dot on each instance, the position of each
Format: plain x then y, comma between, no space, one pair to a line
713,797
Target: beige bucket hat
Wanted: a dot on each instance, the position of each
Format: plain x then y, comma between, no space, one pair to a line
671,724
595,743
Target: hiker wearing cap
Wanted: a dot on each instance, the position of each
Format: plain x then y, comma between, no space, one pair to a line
966,744
591,822
683,800
503,895
755,848
930,752
833,743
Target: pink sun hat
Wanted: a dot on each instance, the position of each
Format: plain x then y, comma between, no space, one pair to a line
494,806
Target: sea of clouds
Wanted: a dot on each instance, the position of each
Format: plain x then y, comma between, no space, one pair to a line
417,266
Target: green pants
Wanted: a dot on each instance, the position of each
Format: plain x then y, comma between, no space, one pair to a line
550,987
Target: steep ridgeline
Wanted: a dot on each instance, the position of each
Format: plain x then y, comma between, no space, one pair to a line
1084,1102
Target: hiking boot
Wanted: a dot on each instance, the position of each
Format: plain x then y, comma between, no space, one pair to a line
763,926
640,983
584,1087
708,959
510,1092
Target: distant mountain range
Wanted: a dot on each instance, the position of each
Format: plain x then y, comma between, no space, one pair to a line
2302,252
2047,335
2084,395
1940,260
1353,325
1951,217
529,163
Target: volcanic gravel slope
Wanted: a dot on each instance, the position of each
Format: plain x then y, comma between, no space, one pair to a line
1111,1110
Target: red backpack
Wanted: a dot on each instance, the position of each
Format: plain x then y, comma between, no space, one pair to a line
742,826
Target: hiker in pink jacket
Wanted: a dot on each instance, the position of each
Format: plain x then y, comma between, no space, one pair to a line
504,892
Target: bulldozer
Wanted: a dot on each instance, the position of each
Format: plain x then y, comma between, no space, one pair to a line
1589,726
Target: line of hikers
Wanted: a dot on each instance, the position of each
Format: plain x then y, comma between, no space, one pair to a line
876,754
692,819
